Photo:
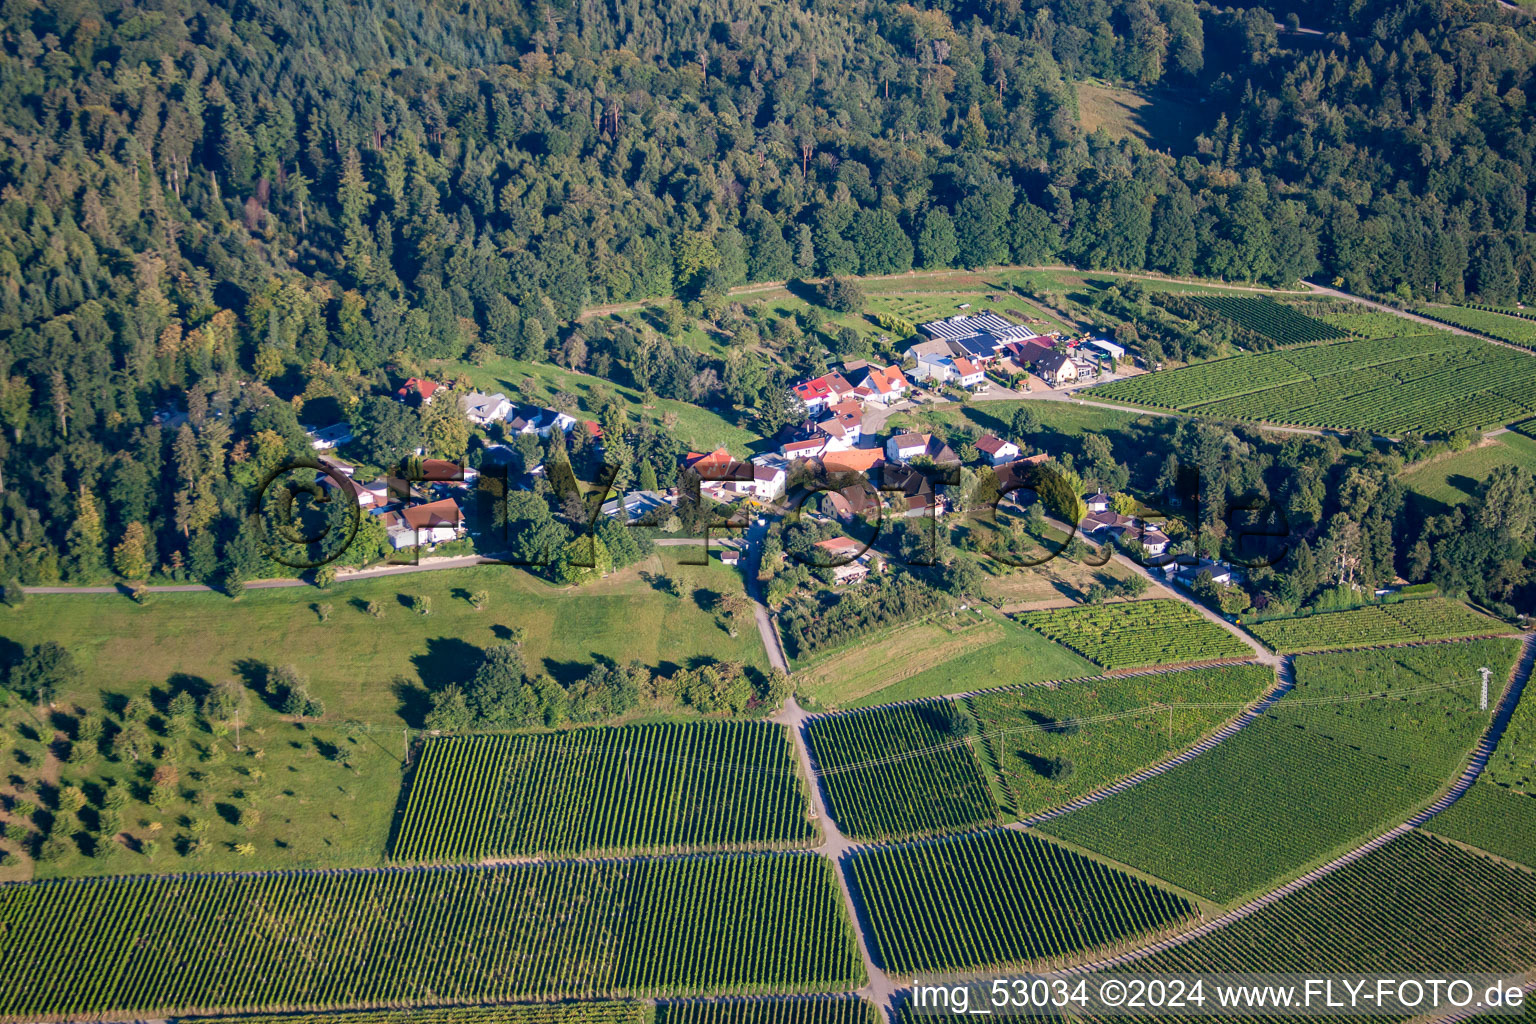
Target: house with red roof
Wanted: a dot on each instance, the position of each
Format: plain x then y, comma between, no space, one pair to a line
967,373
820,392
432,523
996,449
417,391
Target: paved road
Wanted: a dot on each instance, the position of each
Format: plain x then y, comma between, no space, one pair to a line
881,989
765,626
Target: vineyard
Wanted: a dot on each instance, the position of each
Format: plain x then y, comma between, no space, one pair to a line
1410,907
1001,899
1432,618
1431,382
167,946
603,1012
1331,768
1374,324
824,1010
1137,633
899,771
663,787
1045,757
1513,763
1270,318
1517,330
1495,819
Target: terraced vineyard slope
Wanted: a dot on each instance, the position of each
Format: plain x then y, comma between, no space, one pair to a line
1050,745
1328,765
906,770
1001,899
1495,819
1429,382
1517,330
1414,905
1137,633
157,947
1398,623
662,787
1270,318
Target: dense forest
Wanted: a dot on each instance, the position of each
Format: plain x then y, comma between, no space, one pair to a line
234,210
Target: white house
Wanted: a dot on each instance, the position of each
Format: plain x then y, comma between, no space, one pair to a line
967,373
540,422
1098,502
935,366
885,385
482,409
997,451
905,446
809,448
820,392
433,523
323,439
1153,540
768,481
1056,368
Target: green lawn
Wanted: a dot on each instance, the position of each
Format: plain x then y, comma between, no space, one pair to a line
355,661
1454,479
325,789
539,382
1059,418
1157,118
927,660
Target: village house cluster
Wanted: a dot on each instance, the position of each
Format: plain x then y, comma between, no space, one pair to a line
834,433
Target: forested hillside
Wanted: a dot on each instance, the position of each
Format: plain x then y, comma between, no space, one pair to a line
240,209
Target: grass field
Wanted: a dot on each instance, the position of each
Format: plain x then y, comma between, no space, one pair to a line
154,948
1453,479
1047,750
354,661
1495,819
659,788
1157,118
323,789
1001,899
538,382
1137,633
937,656
901,771
1406,909
1433,618
1327,766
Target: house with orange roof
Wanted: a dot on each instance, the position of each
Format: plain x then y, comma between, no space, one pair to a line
886,385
